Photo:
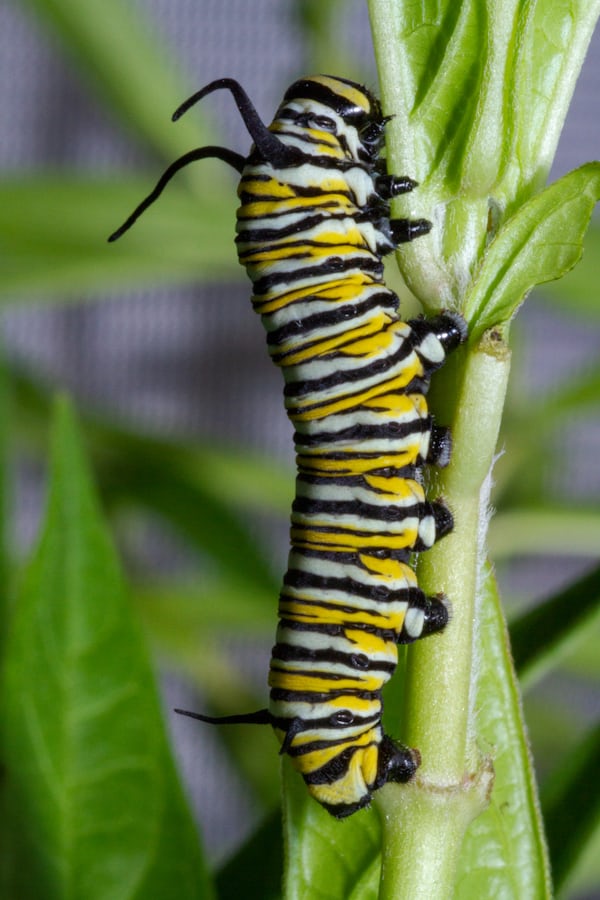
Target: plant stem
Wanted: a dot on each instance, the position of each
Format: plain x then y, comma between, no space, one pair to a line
424,824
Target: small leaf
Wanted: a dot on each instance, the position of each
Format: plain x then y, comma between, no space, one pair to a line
92,805
571,802
504,853
578,291
541,242
542,634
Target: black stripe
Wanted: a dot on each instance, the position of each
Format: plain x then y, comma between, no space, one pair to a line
377,592
285,695
303,225
367,511
305,89
347,312
356,663
409,473
310,724
333,265
385,634
396,430
348,376
416,386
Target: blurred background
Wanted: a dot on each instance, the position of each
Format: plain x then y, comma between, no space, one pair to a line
156,340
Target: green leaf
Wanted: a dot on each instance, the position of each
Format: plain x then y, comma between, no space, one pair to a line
542,635
241,477
578,291
209,606
504,853
545,531
198,489
6,421
59,247
571,396
116,51
92,805
197,512
541,242
571,804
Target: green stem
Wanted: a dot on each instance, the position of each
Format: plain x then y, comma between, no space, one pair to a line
424,824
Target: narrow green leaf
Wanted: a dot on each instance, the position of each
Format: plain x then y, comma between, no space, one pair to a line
92,805
6,422
207,606
531,422
320,23
504,853
53,236
571,804
543,634
198,490
199,514
255,871
541,242
242,478
572,396
545,531
115,50
551,41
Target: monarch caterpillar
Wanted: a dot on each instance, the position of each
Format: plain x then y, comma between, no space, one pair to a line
312,227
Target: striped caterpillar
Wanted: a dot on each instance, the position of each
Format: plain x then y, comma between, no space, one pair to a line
312,227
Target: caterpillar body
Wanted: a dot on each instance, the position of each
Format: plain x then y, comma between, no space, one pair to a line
312,227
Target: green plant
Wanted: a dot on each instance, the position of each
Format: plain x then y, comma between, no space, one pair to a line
479,93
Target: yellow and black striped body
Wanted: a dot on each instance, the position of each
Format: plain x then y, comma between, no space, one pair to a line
311,234
313,225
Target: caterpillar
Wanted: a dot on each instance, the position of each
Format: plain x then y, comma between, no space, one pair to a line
312,227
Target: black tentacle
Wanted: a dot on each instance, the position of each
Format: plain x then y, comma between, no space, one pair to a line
268,145
236,160
260,717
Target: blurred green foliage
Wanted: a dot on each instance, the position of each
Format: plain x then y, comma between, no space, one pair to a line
208,496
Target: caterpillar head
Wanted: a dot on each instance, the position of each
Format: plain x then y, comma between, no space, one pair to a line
337,107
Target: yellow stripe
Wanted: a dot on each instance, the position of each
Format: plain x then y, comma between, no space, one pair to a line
336,291
299,611
250,185
315,540
316,463
308,762
296,681
335,406
347,91
389,568
317,348
332,202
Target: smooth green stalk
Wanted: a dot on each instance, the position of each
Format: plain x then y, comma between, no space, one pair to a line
424,825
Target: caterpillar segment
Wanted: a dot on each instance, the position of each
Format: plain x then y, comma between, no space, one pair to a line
312,227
